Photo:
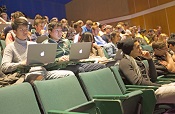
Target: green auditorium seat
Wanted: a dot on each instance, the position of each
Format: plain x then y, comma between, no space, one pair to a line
66,95
101,84
18,99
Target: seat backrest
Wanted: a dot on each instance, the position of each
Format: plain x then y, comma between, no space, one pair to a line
100,82
115,70
105,53
59,94
18,99
2,44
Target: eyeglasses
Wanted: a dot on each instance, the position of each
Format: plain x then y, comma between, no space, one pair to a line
23,30
58,30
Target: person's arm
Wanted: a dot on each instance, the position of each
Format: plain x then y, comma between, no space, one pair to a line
7,64
152,70
2,20
127,69
9,39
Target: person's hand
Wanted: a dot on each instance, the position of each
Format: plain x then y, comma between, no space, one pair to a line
23,63
146,55
164,63
64,58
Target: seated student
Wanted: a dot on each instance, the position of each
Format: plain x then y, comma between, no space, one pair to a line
162,58
39,26
134,72
63,48
15,54
111,48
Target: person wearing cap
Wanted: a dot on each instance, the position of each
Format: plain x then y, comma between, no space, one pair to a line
133,71
106,35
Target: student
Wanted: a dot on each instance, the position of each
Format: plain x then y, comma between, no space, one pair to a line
111,48
63,48
15,54
162,58
134,72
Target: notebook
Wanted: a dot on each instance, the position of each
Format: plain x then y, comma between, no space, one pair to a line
2,26
39,54
119,55
80,51
40,39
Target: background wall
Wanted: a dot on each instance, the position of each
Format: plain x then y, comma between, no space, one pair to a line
135,12
51,8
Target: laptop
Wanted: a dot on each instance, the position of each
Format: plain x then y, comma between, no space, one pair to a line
80,51
2,26
39,54
40,39
119,55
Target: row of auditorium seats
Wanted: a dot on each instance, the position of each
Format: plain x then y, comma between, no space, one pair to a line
96,92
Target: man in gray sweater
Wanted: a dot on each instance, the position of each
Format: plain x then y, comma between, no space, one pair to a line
15,54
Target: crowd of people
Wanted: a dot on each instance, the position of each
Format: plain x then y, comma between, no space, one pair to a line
105,38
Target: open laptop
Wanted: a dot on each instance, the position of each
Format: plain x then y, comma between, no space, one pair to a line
39,54
2,26
80,51
40,39
119,55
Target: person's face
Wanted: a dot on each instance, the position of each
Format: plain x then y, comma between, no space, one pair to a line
21,32
117,38
136,50
172,47
39,27
109,30
56,33
96,31
4,16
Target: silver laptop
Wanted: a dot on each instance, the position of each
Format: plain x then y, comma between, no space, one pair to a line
39,54
2,26
119,55
40,39
80,51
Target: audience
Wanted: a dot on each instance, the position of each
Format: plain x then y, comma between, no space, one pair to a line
134,71
15,54
63,48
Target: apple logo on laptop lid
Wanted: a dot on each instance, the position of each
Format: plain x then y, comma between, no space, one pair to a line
42,54
80,51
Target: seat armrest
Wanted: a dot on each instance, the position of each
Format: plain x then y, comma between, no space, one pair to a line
120,97
63,112
142,87
106,106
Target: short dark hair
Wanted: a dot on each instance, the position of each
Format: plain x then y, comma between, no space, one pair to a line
171,41
17,22
53,24
158,45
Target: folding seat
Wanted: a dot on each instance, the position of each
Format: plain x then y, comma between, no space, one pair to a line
101,84
18,99
66,95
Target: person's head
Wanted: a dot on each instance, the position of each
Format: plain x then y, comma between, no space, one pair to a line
89,24
142,31
95,29
16,15
115,37
163,38
77,26
55,30
171,44
39,24
55,19
160,48
151,32
87,37
4,16
20,28
172,36
130,47
108,29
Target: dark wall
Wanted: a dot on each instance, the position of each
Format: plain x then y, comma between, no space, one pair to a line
32,7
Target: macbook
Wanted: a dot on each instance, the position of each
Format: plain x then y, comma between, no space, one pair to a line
2,26
39,54
40,39
80,51
119,55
